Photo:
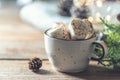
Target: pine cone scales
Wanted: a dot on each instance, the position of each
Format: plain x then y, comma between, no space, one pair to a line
83,12
65,4
35,64
74,8
64,7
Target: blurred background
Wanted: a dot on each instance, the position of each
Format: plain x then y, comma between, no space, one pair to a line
23,22
17,38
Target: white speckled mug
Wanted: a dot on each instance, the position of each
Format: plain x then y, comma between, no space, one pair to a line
71,56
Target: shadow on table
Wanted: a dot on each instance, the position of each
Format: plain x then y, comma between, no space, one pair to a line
43,72
97,73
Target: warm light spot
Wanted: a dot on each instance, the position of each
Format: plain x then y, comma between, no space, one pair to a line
108,17
97,16
79,3
90,19
99,3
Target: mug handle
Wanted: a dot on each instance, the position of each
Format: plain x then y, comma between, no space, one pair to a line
102,46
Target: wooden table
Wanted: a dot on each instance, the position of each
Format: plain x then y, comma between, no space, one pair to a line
17,38
18,70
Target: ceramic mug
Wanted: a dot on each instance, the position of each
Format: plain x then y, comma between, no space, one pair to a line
71,55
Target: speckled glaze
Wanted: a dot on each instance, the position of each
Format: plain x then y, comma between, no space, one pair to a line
68,56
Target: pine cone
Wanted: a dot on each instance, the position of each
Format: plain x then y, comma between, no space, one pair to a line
83,12
65,4
34,64
64,7
64,12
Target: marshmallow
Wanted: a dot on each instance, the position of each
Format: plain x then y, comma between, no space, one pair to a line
59,31
76,29
80,29
90,31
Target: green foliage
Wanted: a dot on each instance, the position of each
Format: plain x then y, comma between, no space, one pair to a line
112,41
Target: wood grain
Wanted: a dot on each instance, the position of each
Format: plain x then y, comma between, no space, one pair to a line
18,39
18,70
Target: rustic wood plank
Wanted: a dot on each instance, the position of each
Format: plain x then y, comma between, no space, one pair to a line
17,38
22,49
18,70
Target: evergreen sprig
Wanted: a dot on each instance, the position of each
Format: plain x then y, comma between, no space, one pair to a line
113,42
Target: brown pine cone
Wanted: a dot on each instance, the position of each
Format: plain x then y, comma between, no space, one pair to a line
64,7
83,12
64,12
65,4
34,64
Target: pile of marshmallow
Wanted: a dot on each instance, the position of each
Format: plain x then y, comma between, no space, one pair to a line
77,29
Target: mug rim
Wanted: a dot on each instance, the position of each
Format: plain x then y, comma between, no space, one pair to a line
65,39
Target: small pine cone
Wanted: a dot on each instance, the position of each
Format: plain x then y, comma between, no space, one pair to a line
83,12
64,12
34,64
64,7
65,4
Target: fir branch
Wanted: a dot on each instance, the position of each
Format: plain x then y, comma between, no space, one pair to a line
113,42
